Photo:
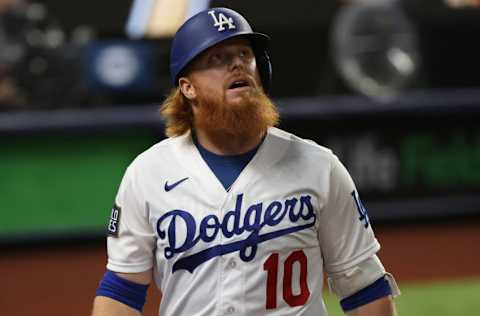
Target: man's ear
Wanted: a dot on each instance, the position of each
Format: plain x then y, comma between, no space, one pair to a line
187,88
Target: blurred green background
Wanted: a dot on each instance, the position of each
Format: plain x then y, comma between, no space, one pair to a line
445,298
63,184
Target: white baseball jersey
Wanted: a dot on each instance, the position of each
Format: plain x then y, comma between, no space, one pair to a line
259,249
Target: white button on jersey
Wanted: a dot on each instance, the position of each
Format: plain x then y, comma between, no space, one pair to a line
259,249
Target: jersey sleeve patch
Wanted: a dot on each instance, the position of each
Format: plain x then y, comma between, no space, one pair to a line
362,210
114,222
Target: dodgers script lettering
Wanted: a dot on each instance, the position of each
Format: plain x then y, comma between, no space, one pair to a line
256,217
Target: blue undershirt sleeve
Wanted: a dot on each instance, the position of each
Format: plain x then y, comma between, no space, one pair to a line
376,290
124,291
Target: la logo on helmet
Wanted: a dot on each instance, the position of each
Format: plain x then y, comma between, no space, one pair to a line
221,21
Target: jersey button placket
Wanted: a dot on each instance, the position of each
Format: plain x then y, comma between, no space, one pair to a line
232,280
233,285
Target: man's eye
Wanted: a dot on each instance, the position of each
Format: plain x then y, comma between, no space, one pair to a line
216,58
245,54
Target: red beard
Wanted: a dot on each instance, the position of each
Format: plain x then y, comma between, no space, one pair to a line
248,118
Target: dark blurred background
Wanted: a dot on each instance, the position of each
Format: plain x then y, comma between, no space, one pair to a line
393,87
53,51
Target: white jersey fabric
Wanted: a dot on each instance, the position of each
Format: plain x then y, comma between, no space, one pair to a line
259,249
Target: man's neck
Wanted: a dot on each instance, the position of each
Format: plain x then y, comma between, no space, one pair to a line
225,144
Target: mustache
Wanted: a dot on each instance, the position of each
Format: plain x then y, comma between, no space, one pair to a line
241,73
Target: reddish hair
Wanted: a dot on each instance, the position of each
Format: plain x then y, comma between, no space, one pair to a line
177,112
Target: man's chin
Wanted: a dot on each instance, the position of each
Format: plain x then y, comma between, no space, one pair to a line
244,113
238,99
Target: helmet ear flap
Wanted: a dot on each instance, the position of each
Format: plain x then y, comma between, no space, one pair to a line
264,66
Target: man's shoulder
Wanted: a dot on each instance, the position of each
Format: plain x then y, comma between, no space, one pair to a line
165,144
303,144
158,153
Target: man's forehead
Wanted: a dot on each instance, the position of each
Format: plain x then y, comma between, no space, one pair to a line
200,60
236,41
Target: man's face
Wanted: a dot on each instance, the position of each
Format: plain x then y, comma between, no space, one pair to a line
224,88
227,71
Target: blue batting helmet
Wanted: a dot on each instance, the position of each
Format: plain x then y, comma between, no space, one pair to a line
210,27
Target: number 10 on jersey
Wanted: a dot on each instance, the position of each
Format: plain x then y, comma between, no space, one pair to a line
271,266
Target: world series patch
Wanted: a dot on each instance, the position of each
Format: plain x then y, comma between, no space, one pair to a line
114,222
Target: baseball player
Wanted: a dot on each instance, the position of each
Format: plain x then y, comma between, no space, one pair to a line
230,215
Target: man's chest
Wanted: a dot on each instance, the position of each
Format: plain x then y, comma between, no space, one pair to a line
193,229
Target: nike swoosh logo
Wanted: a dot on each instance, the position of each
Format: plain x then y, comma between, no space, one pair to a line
169,187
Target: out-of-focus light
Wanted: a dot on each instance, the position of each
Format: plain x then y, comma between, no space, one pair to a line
401,61
139,16
54,37
36,11
375,48
160,18
458,4
81,35
117,66
120,67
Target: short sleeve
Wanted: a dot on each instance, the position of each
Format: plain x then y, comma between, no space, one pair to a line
130,249
345,233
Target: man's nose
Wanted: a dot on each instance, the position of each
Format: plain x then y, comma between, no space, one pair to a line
236,61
